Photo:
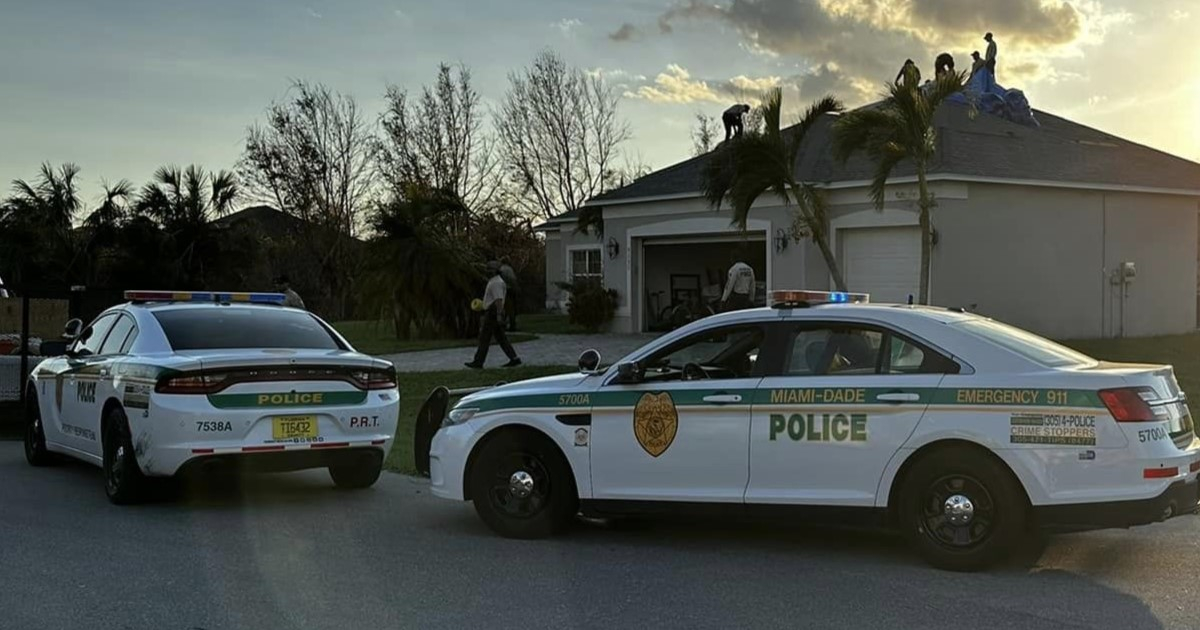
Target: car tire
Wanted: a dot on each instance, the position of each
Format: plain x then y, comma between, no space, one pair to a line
124,482
35,434
962,510
522,486
362,473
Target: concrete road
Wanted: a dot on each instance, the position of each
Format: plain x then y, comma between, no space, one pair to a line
288,551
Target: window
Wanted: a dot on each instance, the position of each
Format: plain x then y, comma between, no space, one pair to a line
1026,344
207,328
129,339
90,339
116,337
723,353
845,350
586,264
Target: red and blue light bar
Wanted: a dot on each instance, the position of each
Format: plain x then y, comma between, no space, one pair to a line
221,297
790,298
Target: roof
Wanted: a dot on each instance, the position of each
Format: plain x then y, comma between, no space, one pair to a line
263,216
980,146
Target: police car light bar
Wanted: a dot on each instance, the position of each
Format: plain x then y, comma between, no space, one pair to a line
791,299
204,296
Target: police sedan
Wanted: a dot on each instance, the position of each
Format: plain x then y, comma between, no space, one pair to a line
176,380
964,433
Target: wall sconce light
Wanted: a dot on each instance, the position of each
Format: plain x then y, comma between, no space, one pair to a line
613,248
781,240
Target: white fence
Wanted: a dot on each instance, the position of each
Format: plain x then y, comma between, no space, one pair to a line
10,376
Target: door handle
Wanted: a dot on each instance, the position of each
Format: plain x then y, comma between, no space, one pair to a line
722,399
899,397
105,372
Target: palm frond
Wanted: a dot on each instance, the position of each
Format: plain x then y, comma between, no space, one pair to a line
856,130
886,160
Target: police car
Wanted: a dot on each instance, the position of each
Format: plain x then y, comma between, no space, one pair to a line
175,380
968,435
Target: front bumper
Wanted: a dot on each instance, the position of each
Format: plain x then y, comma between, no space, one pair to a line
1180,498
448,461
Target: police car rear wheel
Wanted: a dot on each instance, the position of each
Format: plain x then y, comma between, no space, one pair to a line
961,511
522,487
35,435
124,482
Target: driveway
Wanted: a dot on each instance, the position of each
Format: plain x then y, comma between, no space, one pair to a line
289,551
545,350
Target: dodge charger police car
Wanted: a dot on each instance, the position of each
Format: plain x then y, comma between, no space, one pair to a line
175,380
962,432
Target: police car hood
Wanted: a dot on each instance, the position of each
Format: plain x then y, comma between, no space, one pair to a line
545,385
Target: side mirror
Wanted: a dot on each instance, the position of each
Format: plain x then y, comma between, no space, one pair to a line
589,360
629,373
72,329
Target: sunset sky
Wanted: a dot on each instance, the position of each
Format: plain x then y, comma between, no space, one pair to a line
123,87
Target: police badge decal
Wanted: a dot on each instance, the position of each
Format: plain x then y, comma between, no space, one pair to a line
655,422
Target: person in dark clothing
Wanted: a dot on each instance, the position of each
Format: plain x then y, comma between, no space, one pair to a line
909,75
944,64
733,120
493,320
511,295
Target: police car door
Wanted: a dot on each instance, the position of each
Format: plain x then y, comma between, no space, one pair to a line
681,433
847,397
80,416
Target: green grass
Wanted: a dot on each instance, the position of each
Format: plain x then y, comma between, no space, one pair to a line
1181,351
548,324
377,338
415,386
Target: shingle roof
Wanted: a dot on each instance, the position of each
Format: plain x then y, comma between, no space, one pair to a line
979,146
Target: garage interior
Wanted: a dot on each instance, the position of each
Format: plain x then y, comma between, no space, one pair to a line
691,271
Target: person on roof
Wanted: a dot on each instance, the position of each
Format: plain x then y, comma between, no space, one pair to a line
990,61
290,298
977,64
733,120
909,75
943,65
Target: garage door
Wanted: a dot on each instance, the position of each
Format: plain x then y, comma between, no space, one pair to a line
884,262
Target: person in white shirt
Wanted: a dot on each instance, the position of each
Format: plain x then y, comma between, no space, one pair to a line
290,297
739,287
493,320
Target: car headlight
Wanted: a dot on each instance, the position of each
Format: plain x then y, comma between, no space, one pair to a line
459,415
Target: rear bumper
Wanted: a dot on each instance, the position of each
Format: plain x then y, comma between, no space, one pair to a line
280,461
1181,497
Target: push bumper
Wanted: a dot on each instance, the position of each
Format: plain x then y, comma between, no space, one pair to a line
1180,498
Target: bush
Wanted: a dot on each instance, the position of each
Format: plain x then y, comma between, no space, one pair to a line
591,305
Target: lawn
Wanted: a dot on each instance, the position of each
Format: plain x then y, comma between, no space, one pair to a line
1181,351
415,386
377,338
548,324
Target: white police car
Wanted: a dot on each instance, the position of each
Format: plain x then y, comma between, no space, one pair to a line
960,431
173,380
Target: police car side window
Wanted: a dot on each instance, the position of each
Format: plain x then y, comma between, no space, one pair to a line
90,339
723,353
116,337
835,350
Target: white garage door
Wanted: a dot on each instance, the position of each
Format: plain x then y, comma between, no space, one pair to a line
884,262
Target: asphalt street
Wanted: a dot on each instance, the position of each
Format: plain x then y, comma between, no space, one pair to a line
290,551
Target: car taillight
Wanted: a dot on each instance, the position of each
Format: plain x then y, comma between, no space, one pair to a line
375,379
191,383
1128,404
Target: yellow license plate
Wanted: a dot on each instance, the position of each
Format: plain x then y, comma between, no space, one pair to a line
292,427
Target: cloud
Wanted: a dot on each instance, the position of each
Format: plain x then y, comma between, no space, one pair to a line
675,86
1179,15
1028,21
627,32
567,26
404,18
312,13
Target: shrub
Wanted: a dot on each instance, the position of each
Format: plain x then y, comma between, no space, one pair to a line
590,305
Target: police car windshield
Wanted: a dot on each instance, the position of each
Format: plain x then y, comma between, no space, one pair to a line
1037,349
213,328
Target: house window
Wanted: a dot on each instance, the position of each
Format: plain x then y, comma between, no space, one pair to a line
586,265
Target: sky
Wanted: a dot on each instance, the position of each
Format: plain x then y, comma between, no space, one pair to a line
123,87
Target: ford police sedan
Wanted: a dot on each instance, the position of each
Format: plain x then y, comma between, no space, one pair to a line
176,380
962,432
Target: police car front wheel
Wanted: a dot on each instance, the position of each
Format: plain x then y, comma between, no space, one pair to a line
962,510
521,486
35,435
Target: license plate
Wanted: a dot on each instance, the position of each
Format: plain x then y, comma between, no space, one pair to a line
292,427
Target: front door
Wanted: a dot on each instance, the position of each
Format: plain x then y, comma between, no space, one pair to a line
681,433
846,399
79,416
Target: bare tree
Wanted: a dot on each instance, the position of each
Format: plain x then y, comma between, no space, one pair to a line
438,142
560,135
313,159
704,135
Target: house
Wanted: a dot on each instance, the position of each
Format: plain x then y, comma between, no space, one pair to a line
1063,229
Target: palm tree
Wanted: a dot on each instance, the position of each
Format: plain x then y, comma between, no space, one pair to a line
184,203
898,129
740,171
37,222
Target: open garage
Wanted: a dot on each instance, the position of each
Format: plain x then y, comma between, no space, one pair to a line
682,277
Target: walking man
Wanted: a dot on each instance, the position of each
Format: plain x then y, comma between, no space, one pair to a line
511,295
739,286
290,297
733,120
493,320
